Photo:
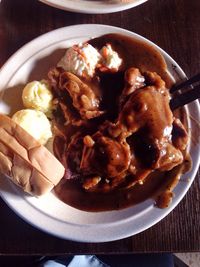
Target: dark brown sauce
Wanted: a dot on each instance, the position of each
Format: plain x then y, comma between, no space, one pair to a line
158,185
136,53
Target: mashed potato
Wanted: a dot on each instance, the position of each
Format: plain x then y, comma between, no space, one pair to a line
35,123
37,95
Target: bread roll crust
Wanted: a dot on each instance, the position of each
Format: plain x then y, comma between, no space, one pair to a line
28,163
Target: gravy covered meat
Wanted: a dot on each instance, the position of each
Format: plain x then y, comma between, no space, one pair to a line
84,101
119,137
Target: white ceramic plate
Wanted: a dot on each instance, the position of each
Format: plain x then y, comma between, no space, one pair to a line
93,7
48,213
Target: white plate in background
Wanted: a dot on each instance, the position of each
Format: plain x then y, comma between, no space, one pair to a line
48,213
93,6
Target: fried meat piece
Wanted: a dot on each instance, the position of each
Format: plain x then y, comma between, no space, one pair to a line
104,163
180,136
53,76
107,157
145,136
70,115
146,107
147,118
133,80
150,108
83,98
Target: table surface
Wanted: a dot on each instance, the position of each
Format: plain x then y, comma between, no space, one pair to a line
172,24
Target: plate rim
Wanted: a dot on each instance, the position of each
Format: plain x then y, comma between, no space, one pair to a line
100,238
94,9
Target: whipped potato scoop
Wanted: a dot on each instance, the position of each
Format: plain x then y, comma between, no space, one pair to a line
35,123
37,95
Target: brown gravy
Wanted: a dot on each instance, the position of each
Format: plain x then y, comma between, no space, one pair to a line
136,53
158,185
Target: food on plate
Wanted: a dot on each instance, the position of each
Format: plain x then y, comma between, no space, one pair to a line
35,123
110,58
112,128
37,95
138,142
115,132
85,103
81,60
28,163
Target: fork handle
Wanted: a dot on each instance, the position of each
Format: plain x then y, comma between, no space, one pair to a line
183,99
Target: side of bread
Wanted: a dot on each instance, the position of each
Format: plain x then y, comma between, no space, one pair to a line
28,163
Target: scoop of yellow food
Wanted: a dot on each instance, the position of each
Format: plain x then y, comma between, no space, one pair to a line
35,123
37,95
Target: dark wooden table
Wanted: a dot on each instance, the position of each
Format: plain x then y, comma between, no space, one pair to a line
172,24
